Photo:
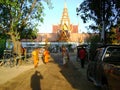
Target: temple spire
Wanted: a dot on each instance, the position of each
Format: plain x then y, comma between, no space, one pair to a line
65,20
65,5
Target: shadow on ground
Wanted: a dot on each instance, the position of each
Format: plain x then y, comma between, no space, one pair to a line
35,80
75,76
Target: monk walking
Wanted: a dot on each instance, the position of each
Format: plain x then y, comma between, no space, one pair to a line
65,56
46,55
35,56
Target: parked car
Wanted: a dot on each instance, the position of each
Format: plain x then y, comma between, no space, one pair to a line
104,69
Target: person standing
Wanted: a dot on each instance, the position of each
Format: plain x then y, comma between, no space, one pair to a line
65,56
82,56
35,56
46,55
23,53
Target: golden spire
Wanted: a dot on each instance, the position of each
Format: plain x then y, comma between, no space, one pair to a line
65,21
65,5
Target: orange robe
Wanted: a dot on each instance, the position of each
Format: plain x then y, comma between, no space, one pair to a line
35,56
46,56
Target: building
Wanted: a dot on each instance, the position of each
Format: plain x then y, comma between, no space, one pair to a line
65,23
65,28
63,32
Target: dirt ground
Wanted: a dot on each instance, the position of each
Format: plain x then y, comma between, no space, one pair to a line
8,73
50,76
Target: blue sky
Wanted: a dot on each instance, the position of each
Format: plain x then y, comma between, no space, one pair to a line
53,16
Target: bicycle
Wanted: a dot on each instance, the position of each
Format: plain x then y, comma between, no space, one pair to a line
8,59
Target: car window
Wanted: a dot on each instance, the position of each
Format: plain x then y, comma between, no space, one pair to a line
113,54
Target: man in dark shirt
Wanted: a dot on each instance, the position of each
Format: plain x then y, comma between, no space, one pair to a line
82,56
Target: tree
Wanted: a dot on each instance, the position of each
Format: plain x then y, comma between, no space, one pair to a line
2,47
20,16
112,36
94,43
99,11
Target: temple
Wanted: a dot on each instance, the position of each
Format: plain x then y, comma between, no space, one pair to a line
65,28
64,32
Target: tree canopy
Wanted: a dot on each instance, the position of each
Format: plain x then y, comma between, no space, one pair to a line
21,16
19,19
99,11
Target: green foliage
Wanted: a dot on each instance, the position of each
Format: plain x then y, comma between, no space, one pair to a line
17,16
98,11
112,37
95,40
29,34
2,46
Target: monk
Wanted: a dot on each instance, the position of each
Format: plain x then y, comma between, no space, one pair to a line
35,56
65,56
46,55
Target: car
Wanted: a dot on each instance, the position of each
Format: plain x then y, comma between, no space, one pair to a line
104,69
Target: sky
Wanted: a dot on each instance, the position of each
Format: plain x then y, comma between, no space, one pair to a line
53,16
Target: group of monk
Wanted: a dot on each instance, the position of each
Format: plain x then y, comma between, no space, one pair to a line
35,56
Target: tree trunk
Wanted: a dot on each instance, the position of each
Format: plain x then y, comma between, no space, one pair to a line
16,45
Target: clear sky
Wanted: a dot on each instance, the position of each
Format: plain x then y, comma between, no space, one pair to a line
53,16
